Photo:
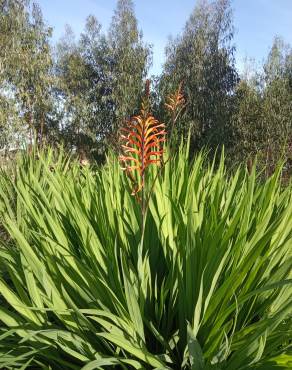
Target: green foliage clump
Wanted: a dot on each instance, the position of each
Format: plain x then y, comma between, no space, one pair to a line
208,288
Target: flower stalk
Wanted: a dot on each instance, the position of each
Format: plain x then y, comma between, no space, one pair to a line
143,137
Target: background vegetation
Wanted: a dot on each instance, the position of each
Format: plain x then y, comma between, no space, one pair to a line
79,91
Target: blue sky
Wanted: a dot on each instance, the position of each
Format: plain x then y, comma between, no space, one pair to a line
256,22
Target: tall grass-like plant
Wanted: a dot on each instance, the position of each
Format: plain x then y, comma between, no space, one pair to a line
209,289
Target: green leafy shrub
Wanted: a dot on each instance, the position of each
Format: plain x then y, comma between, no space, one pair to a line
209,287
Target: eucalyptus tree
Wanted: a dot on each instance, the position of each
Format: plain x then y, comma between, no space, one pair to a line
26,64
101,78
11,19
277,102
131,59
262,115
202,58
246,123
83,70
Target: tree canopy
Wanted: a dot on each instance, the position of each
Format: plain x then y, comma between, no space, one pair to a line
79,91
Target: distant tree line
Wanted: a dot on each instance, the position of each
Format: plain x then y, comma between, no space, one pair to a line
79,91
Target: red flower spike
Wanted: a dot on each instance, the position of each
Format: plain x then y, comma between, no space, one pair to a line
143,138
176,100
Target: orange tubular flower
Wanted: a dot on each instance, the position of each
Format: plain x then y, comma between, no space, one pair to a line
176,100
143,137
175,104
